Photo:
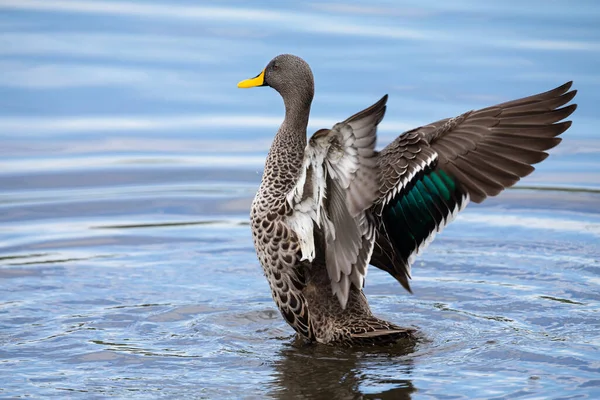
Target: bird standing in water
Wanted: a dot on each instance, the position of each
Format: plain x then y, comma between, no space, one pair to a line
328,208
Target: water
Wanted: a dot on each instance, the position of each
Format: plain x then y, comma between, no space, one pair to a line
128,160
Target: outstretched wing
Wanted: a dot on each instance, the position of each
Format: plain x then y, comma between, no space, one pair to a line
430,173
338,182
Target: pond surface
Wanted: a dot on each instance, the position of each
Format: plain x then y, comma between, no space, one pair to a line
128,161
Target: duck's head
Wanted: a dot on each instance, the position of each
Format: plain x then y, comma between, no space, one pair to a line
289,75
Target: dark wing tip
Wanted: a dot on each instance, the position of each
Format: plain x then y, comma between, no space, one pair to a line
376,109
569,95
403,279
556,141
381,103
565,86
566,111
557,91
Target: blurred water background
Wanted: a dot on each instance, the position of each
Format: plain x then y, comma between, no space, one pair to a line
128,161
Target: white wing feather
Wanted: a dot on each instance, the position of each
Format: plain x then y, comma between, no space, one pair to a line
340,169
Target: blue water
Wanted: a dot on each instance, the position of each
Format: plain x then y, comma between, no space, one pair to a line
128,160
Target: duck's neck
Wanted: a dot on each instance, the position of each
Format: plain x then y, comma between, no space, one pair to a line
296,116
287,151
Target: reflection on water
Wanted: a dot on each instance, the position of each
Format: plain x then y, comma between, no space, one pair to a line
129,160
344,374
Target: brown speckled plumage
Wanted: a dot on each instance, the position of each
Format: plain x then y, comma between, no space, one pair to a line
327,208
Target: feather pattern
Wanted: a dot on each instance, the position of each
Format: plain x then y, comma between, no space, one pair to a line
429,174
339,181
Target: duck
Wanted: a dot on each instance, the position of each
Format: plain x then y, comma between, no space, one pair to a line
330,206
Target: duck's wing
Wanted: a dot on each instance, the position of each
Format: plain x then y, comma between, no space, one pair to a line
338,182
430,173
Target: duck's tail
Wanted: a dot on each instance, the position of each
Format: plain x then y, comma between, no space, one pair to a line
377,332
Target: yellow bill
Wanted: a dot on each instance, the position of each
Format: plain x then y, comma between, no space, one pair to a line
258,80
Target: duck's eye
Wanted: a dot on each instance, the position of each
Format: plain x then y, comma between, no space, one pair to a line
275,67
